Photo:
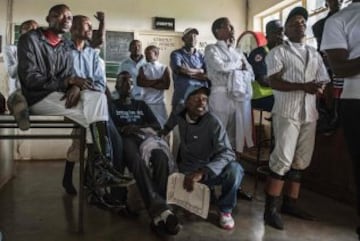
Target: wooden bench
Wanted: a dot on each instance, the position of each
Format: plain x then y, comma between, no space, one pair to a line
52,122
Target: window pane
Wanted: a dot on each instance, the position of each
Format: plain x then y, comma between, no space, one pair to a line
312,5
268,18
312,20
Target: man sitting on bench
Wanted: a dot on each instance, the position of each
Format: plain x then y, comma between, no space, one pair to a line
50,86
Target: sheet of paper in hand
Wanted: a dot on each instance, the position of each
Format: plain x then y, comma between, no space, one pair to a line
197,201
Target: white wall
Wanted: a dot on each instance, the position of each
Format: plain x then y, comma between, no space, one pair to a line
125,15
136,15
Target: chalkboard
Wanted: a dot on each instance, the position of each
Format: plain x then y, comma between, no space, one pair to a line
116,50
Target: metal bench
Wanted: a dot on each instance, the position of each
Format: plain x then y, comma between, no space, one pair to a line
52,122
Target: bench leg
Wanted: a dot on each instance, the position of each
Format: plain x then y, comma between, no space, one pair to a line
81,184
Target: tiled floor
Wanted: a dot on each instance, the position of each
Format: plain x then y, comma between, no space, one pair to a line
34,207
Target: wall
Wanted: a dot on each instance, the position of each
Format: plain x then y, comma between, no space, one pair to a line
125,15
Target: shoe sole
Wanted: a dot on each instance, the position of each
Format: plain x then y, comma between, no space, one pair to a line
21,114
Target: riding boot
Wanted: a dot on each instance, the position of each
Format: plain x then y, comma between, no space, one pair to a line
271,215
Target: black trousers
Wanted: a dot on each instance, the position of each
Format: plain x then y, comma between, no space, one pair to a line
151,187
350,117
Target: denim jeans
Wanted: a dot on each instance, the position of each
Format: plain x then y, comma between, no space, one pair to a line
230,180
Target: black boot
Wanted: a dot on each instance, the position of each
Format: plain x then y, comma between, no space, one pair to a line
289,207
67,181
271,215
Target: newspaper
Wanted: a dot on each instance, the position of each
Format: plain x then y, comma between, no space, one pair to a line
197,201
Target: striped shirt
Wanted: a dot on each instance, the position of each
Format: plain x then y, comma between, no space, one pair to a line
221,60
297,68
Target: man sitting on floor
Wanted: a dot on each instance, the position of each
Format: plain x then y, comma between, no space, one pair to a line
206,155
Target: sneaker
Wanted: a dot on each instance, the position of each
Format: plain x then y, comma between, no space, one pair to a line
226,221
172,225
166,224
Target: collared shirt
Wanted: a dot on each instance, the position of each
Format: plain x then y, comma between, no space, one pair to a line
133,67
299,66
178,59
11,63
342,31
221,60
87,65
154,70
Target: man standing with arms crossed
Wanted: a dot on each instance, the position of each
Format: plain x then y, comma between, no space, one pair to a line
231,76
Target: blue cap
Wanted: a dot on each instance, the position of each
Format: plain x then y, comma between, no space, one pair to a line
193,89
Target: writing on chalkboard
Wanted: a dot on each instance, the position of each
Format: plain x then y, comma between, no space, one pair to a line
117,45
116,50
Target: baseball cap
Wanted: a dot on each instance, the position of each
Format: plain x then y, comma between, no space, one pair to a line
193,89
188,30
297,11
273,26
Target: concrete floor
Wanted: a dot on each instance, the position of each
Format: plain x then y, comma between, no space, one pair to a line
33,207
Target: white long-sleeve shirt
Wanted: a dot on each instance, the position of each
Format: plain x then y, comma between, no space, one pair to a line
222,60
11,63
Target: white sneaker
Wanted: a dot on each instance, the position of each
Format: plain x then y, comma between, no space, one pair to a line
226,221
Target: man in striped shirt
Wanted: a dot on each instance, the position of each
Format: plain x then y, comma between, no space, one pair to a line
296,73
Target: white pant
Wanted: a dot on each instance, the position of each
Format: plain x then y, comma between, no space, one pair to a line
91,108
294,144
235,116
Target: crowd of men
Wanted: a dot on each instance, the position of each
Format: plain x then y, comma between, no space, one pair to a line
214,94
